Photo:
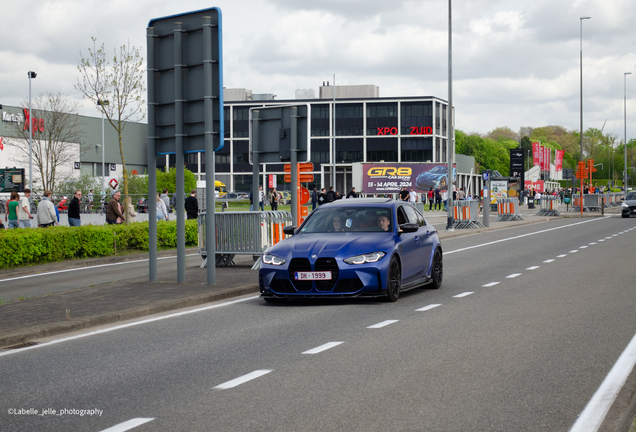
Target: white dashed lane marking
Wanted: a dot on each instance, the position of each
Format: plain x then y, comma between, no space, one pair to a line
512,276
128,425
383,324
243,379
322,348
562,256
490,284
463,294
548,261
429,307
574,251
532,268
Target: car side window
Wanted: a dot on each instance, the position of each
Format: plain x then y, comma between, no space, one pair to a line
412,215
401,216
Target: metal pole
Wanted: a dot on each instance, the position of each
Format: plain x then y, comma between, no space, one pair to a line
152,160
581,67
208,112
333,144
625,123
449,123
255,152
103,158
31,139
295,202
178,104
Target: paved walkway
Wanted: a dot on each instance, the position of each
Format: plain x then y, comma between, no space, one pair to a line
68,311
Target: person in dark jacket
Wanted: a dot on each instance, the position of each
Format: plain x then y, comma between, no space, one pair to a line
112,210
192,205
331,195
322,197
74,210
352,193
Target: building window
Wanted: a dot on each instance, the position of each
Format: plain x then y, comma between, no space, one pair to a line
241,158
320,120
380,117
320,152
226,122
416,115
349,150
241,122
382,149
417,150
349,119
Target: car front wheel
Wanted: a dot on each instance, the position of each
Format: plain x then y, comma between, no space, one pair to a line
394,282
437,273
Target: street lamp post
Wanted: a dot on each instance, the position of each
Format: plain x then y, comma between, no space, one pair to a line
103,103
625,123
581,63
31,74
449,124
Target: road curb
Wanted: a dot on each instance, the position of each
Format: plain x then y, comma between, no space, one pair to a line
30,333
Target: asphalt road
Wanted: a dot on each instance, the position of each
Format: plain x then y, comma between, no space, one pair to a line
523,332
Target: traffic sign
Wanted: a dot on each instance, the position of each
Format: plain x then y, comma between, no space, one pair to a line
302,177
302,167
304,196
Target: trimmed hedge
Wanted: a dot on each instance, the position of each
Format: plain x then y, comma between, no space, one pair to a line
41,245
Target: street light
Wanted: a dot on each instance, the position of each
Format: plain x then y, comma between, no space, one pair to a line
31,74
625,123
581,62
450,223
103,103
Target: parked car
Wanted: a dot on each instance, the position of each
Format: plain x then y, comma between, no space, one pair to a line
284,197
353,248
628,206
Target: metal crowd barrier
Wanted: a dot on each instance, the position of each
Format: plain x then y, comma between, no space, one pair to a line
549,206
508,209
466,214
243,233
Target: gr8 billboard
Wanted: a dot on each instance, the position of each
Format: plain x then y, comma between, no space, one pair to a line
391,178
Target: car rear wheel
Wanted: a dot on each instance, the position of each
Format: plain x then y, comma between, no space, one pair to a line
437,272
394,282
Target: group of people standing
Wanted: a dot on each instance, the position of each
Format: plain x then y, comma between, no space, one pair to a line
324,196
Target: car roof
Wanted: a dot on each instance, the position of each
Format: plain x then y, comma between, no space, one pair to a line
361,202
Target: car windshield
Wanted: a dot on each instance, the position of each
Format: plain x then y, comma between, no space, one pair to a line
438,170
349,219
631,196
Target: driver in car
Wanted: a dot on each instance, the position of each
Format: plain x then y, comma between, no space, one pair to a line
384,222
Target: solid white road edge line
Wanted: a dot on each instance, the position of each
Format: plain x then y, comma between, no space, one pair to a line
523,235
322,348
86,268
127,425
383,324
429,307
467,293
243,379
119,327
596,409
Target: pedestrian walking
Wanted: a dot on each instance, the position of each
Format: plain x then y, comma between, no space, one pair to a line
192,205
11,211
46,211
166,199
431,198
438,199
272,196
162,211
261,197
352,193
90,201
113,210
445,198
129,210
322,197
74,218
314,199
24,210
331,195
412,197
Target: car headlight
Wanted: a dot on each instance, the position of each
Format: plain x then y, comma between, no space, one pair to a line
366,258
625,205
273,259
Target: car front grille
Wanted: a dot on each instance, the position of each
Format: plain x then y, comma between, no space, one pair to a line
299,264
282,286
327,264
348,285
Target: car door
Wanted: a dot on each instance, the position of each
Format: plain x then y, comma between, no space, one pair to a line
409,242
423,238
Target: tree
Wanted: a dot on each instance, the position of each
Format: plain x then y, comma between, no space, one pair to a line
121,84
168,180
85,183
57,132
503,132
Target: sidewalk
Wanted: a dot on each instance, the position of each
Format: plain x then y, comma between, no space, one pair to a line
69,311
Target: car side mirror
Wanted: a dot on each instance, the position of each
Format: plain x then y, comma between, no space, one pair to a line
289,230
409,227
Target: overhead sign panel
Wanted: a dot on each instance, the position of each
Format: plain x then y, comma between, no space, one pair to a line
180,48
274,133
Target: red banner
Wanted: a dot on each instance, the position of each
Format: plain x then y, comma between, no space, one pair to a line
535,153
536,185
547,153
542,158
558,160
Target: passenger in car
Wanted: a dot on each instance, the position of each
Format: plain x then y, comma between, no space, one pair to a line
337,224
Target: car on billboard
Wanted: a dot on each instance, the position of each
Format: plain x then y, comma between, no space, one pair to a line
367,247
436,177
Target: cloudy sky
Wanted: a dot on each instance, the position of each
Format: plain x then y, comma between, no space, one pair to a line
515,62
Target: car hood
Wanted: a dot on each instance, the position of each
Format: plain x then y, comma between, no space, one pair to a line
340,245
630,203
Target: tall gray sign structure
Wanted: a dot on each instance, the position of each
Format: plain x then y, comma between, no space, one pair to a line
185,113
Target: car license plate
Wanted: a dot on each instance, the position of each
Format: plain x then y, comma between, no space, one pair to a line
326,275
